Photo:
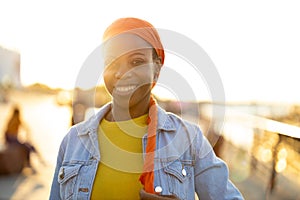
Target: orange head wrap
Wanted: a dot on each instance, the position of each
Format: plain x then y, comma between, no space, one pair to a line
140,27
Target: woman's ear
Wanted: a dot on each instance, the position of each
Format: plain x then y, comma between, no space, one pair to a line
157,67
158,61
156,75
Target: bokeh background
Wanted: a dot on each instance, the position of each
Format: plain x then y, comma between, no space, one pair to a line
254,45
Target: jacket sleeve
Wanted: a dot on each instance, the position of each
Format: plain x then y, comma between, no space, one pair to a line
55,187
211,174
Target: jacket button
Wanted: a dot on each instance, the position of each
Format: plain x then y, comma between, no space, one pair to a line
183,172
61,173
158,189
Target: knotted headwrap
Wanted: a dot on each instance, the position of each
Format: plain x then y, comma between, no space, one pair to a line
139,27
146,31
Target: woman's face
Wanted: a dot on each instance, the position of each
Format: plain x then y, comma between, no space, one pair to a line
130,71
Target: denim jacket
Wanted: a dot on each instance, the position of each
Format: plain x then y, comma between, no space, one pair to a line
184,161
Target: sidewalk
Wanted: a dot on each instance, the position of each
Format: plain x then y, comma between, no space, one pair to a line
27,186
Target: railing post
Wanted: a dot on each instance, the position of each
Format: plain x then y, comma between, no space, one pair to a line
272,180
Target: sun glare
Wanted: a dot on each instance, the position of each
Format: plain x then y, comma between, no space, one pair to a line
255,61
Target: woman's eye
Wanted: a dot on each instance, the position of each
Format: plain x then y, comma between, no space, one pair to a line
137,62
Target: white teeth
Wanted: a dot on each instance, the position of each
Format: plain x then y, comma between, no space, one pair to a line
125,88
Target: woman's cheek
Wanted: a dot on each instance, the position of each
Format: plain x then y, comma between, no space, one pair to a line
146,74
108,84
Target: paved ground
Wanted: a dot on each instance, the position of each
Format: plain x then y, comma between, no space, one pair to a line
26,186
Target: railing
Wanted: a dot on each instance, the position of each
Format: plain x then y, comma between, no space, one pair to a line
273,147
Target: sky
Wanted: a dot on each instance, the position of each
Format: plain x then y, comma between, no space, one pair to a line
254,45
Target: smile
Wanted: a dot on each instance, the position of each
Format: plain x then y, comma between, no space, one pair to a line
125,88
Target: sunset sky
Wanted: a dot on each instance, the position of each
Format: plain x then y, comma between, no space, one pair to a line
254,45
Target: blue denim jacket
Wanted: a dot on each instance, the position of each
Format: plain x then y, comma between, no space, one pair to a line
184,161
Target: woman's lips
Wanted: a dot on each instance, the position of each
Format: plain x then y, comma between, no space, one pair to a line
124,89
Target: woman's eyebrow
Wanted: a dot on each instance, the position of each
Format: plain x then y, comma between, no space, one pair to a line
110,59
136,54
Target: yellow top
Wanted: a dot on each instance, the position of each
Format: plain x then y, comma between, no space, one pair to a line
121,162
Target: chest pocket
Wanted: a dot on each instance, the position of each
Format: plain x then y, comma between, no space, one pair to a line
67,179
179,176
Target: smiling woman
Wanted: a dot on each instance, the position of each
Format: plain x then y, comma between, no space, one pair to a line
132,148
130,77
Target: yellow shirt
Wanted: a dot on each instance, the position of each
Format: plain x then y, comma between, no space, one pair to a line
121,162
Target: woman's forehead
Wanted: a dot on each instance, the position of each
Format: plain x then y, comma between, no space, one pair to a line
125,43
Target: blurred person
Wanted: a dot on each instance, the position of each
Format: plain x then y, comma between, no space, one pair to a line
13,125
131,148
12,137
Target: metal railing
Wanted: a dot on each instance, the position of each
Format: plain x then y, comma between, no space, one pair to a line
274,149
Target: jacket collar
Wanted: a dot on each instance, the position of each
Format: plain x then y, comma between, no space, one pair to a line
93,122
164,121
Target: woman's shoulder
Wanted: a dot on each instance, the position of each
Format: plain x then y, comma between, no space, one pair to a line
182,120
169,122
70,136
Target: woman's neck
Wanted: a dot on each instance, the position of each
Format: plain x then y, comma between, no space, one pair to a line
120,113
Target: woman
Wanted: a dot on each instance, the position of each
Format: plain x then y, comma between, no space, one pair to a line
12,137
132,148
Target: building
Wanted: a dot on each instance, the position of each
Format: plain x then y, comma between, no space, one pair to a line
9,69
